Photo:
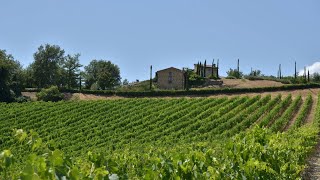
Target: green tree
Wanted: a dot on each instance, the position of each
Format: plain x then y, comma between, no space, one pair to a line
125,82
255,73
316,77
103,74
10,77
50,94
234,73
28,74
71,65
204,68
47,65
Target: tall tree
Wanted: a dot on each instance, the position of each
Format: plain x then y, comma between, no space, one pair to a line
204,68
47,65
212,68
103,74
71,65
150,78
280,75
238,69
198,69
201,72
10,77
218,68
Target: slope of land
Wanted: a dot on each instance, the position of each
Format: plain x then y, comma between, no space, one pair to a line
123,121
245,83
167,138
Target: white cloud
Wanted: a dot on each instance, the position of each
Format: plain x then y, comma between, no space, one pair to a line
315,67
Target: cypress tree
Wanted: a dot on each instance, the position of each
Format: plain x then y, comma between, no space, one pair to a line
212,68
150,77
218,68
308,76
198,69
279,71
205,67
200,73
238,70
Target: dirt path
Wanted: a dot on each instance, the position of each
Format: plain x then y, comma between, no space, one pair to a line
311,114
313,170
295,115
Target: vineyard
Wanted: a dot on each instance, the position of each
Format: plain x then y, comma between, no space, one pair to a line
159,138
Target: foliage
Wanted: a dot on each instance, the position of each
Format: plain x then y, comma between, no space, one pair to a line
152,139
304,112
22,99
10,77
234,73
259,153
125,82
315,77
136,87
47,65
255,73
195,80
50,94
105,74
145,92
71,66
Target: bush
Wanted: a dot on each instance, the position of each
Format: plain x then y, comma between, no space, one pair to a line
231,77
51,94
22,99
196,80
234,73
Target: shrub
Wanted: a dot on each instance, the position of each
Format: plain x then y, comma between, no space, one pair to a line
234,73
50,94
196,80
22,99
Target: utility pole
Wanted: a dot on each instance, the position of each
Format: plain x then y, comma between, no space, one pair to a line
150,77
295,70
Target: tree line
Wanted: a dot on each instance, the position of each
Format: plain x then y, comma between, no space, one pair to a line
53,67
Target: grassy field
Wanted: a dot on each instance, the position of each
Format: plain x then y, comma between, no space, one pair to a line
150,138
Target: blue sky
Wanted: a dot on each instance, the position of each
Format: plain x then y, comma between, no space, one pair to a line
137,34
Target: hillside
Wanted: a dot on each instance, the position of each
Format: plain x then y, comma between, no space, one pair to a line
135,134
245,83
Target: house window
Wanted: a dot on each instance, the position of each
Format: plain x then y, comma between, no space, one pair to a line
170,77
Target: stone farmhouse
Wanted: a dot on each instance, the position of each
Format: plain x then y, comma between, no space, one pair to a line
174,78
170,78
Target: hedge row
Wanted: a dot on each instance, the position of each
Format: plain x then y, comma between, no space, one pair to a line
190,92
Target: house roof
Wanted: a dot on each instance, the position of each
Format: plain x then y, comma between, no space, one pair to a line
170,68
